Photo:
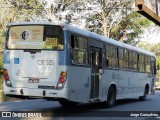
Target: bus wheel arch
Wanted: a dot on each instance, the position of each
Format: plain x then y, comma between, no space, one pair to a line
146,92
67,103
147,88
111,96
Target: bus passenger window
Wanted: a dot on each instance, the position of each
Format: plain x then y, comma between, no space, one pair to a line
79,53
121,58
133,60
126,59
107,55
141,65
148,64
153,66
111,56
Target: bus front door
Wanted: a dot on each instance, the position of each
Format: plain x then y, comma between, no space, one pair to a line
96,66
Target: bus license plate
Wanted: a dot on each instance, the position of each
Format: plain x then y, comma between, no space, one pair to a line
33,80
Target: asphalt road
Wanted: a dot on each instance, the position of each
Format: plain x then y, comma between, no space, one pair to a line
121,111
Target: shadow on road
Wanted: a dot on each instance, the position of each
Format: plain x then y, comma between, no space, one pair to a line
128,101
90,110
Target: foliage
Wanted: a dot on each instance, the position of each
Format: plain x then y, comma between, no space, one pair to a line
62,10
117,20
132,26
1,52
155,48
20,10
109,14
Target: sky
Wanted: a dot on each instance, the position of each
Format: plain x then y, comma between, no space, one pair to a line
155,39
151,35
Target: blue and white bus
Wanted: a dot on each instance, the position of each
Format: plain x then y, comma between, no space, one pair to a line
70,65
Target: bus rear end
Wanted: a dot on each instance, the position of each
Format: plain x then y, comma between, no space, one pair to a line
34,61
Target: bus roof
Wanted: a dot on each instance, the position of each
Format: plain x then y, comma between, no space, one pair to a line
34,23
88,34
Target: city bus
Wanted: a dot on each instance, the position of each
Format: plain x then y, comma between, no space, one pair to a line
60,62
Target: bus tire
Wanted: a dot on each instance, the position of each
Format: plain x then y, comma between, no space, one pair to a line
144,97
111,97
67,103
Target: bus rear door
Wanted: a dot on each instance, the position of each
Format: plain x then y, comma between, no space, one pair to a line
96,65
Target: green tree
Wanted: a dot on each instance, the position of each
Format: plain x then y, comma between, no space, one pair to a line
155,48
62,10
108,14
114,19
130,28
117,20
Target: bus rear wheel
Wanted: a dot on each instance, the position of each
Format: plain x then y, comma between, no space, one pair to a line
144,97
67,103
111,97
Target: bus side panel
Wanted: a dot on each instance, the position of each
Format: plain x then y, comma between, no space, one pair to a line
108,78
125,83
78,83
134,82
142,81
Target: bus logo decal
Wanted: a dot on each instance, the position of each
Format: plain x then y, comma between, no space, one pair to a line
16,60
25,35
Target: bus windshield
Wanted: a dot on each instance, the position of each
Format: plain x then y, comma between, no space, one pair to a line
49,37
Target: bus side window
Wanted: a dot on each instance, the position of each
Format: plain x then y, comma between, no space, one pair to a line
141,63
111,56
108,50
121,58
79,53
133,60
147,63
126,59
153,66
72,41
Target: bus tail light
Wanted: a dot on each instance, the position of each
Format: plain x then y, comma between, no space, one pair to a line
6,77
61,81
